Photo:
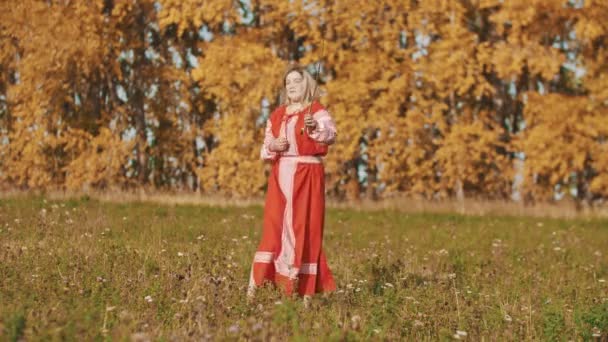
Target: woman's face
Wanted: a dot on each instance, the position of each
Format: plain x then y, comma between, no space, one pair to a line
295,86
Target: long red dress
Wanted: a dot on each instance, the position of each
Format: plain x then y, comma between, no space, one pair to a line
290,253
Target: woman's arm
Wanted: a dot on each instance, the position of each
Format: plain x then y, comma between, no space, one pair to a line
266,153
325,130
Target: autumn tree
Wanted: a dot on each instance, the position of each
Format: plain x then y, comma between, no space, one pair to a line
438,99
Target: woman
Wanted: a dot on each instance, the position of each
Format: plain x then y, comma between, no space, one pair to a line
297,135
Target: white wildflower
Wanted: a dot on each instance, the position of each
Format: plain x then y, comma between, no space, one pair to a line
460,334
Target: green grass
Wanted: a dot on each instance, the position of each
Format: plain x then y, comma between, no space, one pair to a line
82,270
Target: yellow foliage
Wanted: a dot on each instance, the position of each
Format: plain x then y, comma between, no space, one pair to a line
469,157
561,143
433,98
237,74
100,162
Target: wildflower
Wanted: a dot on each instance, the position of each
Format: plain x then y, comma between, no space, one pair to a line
460,334
140,337
148,299
355,322
233,329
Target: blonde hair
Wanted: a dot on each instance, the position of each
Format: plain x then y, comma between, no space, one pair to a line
311,90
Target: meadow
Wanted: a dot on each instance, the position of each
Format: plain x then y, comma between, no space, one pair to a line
83,269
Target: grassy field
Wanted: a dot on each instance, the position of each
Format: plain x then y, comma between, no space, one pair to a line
88,270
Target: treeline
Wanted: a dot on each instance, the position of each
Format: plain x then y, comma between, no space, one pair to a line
486,99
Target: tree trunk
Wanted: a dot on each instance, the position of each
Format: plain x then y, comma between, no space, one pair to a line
138,98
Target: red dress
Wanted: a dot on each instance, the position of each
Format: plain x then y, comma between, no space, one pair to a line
290,253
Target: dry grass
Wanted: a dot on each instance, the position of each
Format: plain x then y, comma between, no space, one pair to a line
564,209
91,270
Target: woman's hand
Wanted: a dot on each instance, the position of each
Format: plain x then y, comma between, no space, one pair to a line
279,145
309,122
